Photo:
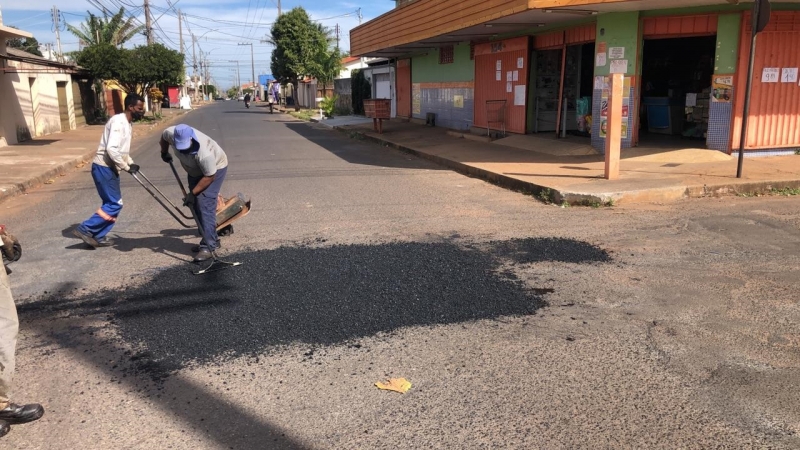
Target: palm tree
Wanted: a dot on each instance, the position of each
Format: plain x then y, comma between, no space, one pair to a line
114,30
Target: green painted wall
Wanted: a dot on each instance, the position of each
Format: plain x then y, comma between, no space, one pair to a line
618,30
728,28
426,68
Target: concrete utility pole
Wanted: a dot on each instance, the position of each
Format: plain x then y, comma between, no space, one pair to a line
56,26
148,26
194,68
253,67
180,33
337,36
359,16
238,79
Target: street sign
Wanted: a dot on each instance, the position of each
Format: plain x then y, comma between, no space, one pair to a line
761,12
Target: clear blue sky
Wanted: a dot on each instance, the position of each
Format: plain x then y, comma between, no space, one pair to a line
222,25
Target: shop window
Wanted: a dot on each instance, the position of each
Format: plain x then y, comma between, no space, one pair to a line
446,55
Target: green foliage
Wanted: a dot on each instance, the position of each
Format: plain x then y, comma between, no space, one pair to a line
102,60
210,89
147,66
362,90
328,105
232,92
30,45
114,30
299,47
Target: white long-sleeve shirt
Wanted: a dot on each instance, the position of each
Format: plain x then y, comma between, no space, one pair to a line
115,144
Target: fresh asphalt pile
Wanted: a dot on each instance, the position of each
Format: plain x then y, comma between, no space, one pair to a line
317,296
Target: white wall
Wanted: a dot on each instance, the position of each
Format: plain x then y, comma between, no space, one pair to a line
33,108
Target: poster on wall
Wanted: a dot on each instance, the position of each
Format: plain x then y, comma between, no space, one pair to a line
722,88
458,101
626,87
498,65
619,66
601,60
416,99
602,47
498,76
519,95
520,62
789,75
516,76
770,75
616,53
509,76
508,87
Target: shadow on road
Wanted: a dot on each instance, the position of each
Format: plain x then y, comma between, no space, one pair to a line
310,295
357,152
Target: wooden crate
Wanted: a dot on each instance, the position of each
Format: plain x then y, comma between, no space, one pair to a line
378,108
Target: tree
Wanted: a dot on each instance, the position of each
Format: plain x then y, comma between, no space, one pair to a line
149,65
30,45
299,43
114,30
210,90
329,68
102,60
233,92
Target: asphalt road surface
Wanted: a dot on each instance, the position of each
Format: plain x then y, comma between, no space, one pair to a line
520,325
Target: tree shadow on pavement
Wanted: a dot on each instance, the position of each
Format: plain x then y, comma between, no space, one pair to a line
289,295
360,152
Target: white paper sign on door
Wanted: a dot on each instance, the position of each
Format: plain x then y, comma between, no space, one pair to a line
519,95
770,75
498,76
789,75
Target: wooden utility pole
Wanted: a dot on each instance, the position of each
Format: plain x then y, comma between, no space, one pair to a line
194,68
148,26
180,33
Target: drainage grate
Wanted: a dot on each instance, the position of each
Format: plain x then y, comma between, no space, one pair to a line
671,165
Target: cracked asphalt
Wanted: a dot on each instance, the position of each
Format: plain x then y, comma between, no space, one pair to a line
519,324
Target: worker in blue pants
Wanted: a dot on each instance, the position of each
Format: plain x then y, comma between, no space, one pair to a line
113,156
206,165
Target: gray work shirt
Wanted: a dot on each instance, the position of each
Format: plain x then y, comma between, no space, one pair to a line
208,159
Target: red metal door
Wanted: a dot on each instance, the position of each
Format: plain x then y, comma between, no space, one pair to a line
404,88
774,106
495,63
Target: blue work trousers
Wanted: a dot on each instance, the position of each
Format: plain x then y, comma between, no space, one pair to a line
205,209
107,182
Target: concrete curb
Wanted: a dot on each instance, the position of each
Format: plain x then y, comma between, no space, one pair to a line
64,168
669,194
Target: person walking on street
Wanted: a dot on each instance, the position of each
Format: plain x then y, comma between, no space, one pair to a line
10,413
113,155
206,165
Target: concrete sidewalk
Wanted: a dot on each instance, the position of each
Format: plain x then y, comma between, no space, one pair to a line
576,174
33,163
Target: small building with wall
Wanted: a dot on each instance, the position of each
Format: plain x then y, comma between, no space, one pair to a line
39,97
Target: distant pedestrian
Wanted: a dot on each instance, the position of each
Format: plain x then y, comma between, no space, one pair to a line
113,156
206,165
10,413
276,92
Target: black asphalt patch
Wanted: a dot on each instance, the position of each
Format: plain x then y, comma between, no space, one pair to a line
316,296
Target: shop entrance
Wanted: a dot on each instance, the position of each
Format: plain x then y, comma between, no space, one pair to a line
577,92
676,90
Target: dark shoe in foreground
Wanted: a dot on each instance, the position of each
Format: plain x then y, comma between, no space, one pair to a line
4,428
105,242
86,237
202,255
16,414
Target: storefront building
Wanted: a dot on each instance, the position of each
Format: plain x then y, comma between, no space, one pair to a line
538,66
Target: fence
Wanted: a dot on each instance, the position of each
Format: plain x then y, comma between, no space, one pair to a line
343,91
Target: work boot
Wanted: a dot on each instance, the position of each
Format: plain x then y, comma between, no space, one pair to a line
4,428
16,414
202,255
196,248
105,242
86,237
